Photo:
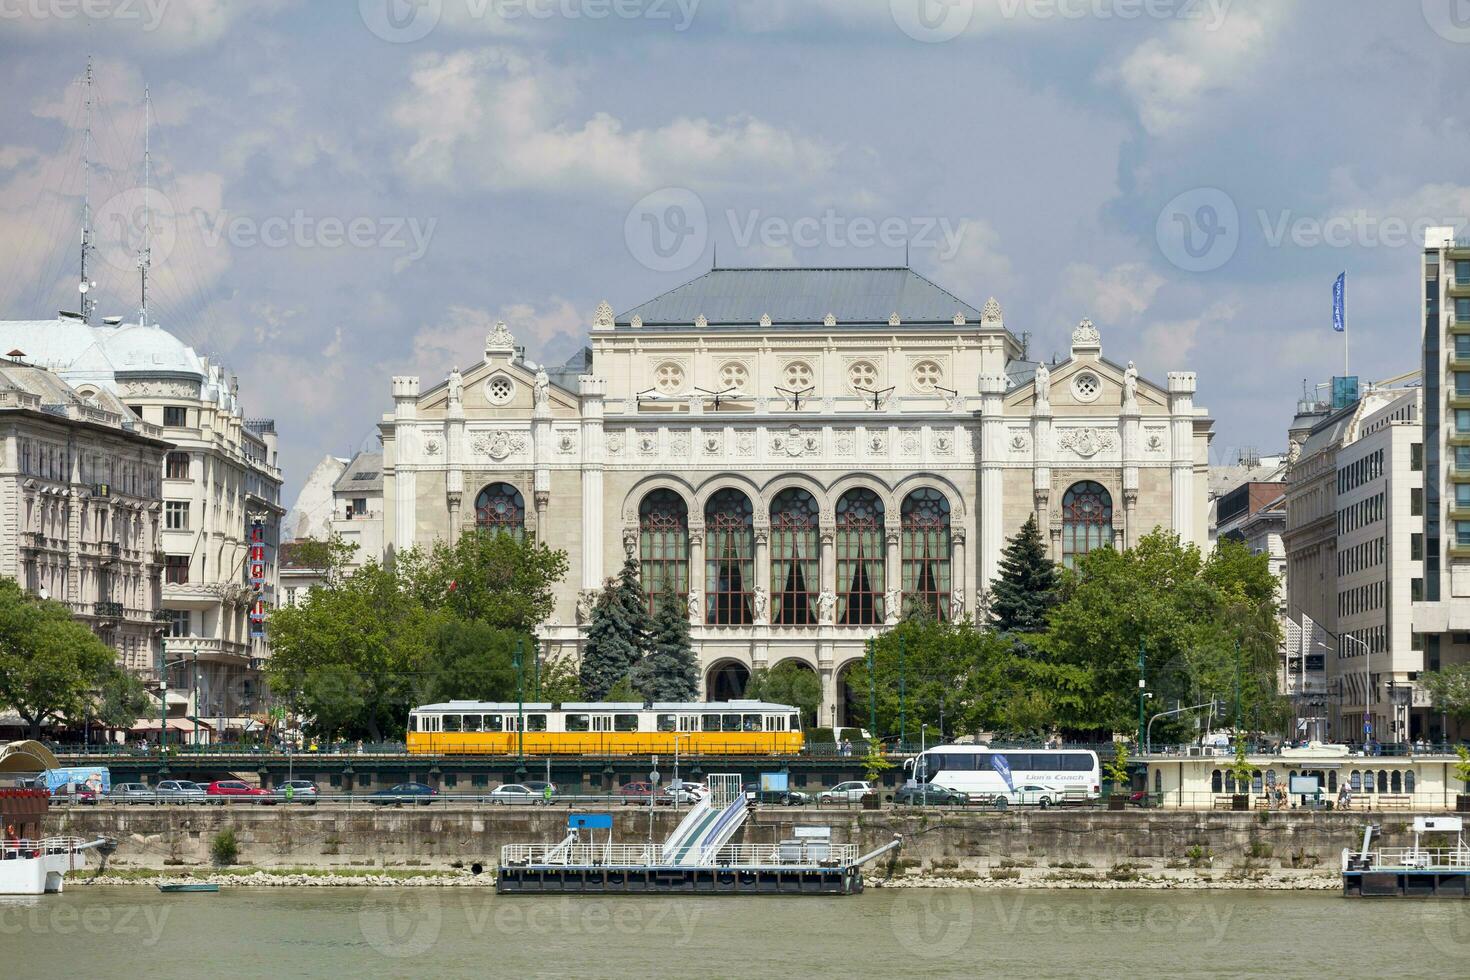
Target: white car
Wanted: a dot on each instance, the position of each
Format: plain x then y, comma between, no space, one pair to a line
851,791
1034,794
514,794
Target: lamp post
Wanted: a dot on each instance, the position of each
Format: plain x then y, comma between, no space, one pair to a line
872,687
1367,684
520,714
1142,735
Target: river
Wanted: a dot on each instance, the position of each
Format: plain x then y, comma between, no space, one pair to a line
452,932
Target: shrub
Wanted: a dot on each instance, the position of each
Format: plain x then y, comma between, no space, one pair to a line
225,849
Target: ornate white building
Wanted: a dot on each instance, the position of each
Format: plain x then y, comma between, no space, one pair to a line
798,454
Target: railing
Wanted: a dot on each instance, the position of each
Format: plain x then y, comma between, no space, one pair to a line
27,848
1420,857
641,855
109,610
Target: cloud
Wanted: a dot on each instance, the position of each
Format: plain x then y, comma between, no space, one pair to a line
971,262
1170,343
1121,293
169,25
459,339
1169,77
496,119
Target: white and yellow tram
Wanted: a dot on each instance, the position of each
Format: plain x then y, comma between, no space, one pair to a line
604,728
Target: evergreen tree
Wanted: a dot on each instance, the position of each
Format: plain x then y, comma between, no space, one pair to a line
617,635
669,671
1027,586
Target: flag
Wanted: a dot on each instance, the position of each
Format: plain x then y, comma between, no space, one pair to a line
1339,319
1000,765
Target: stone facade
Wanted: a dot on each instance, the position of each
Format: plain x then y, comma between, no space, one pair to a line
905,422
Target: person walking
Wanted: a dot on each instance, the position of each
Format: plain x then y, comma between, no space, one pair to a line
546,794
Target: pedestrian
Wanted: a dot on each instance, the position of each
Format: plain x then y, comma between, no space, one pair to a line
546,794
1344,797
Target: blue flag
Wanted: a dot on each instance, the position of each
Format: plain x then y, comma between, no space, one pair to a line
1339,319
1000,765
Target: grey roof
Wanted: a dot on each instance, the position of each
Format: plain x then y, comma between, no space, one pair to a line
363,474
729,297
566,375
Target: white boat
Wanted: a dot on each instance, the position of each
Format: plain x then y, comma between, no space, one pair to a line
38,867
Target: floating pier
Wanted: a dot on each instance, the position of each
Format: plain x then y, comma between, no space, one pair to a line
1409,872
697,858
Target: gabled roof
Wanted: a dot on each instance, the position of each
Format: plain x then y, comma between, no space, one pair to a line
363,475
740,297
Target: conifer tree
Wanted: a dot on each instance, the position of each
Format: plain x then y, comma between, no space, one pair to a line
1027,585
617,635
669,671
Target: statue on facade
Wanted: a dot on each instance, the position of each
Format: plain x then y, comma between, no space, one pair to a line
694,605
630,542
542,388
1043,386
826,608
892,603
762,600
957,606
586,600
456,387
1130,386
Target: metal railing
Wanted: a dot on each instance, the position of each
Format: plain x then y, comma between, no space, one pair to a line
643,855
1420,857
25,847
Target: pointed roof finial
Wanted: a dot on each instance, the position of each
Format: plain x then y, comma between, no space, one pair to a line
990,312
603,318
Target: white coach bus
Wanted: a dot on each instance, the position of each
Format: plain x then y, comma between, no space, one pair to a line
977,769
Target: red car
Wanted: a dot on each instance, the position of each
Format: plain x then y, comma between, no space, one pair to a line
636,793
223,790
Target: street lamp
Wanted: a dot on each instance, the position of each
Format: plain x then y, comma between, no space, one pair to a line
1367,684
520,714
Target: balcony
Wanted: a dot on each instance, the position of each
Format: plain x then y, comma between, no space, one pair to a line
108,610
1459,512
210,649
1455,550
1456,326
1459,287
1458,399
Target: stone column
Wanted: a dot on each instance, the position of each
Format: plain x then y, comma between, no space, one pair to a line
454,460
763,569
541,454
405,411
827,711
827,573
1181,438
592,390
696,571
1128,426
992,452
957,569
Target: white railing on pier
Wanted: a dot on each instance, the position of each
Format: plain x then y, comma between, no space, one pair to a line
1421,858
807,852
14,847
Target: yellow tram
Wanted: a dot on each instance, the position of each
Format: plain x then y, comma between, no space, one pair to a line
604,728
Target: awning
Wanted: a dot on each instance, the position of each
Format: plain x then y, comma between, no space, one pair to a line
174,725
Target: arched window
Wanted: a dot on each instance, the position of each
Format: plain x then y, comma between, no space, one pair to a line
1409,781
1087,520
663,546
925,515
1216,784
729,558
1332,780
795,557
1398,781
500,507
1158,781
860,558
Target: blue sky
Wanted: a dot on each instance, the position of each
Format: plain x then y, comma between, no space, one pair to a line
344,191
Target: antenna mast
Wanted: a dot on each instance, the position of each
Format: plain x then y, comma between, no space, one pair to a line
84,285
145,256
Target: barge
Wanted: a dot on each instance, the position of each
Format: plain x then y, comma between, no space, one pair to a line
1409,872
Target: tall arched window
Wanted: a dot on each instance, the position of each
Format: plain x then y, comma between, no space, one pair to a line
500,507
1087,520
729,558
925,551
663,546
795,557
859,558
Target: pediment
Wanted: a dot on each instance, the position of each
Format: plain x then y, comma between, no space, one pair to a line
1090,384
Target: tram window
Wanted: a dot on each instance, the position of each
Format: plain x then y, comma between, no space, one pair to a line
625,723
668,723
688,723
579,723
711,723
775,723
795,723
451,723
535,723
472,723
729,723
413,723
751,723
491,723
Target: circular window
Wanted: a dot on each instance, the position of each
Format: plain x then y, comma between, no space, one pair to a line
798,375
1086,386
734,375
927,375
668,378
862,375
500,389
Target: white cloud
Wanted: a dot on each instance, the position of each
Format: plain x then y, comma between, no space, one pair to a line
1121,293
173,25
1169,344
975,266
459,339
1169,77
497,119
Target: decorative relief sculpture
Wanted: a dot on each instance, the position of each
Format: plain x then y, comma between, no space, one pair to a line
826,608
614,443
1086,442
892,600
694,605
1086,335
957,605
432,446
586,602
602,319
542,389
630,542
762,601
568,442
498,444
1019,442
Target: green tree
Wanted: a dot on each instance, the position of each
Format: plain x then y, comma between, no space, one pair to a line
120,700
1449,690
490,577
1027,586
788,683
331,554
560,682
668,671
50,665
617,634
473,661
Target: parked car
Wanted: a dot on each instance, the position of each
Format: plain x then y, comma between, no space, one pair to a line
75,793
635,793
682,795
930,795
538,786
1034,794
131,793
179,791
779,797
302,791
849,792
404,793
514,794
222,791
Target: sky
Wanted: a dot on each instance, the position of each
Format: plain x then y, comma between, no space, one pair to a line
340,191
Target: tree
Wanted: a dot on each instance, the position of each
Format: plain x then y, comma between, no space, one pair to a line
331,554
669,671
474,661
1028,583
1449,690
559,680
488,576
788,683
50,665
120,699
617,634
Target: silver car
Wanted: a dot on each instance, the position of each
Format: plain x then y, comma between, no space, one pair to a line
179,791
851,791
302,791
131,793
514,794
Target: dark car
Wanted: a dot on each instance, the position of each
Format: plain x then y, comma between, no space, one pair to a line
404,793
779,797
930,795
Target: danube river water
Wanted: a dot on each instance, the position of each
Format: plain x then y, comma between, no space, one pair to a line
453,932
